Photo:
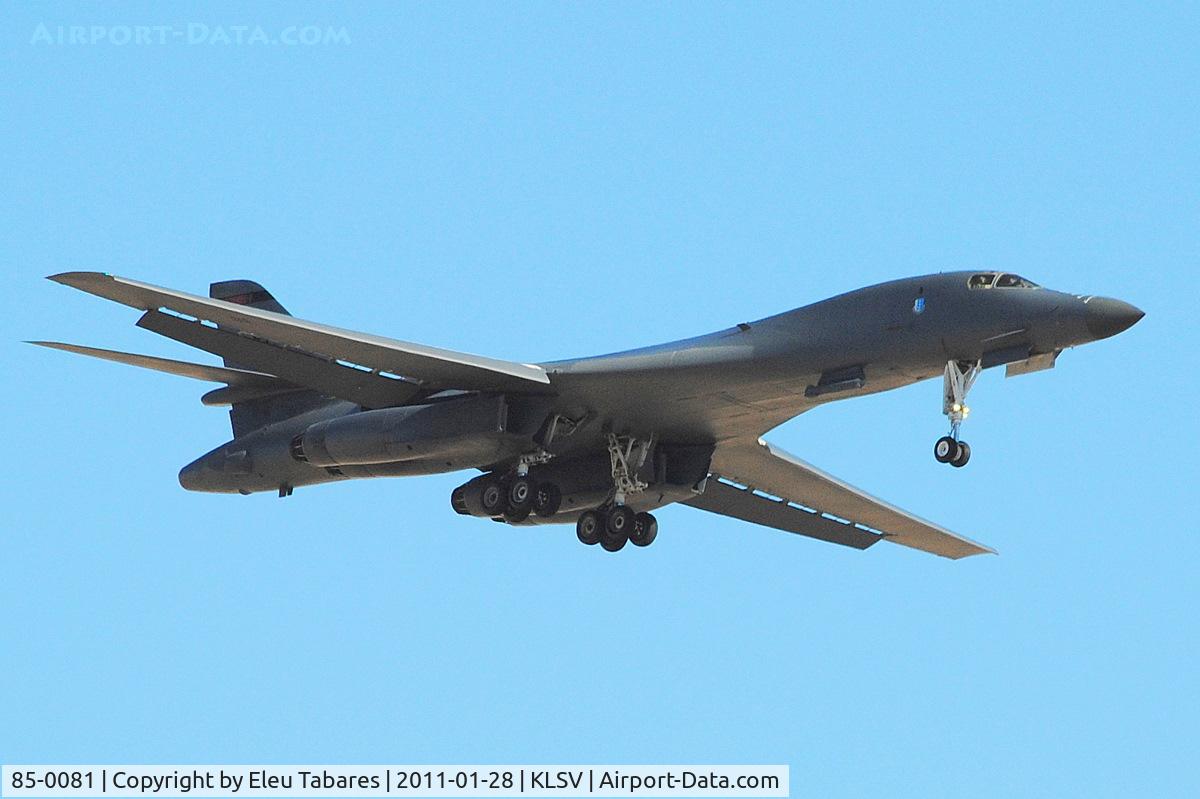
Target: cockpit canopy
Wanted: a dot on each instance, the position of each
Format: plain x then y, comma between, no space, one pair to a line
1000,280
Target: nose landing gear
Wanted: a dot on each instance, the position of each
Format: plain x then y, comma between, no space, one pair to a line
955,453
957,381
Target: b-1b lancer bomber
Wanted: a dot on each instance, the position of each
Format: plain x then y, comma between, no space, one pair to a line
602,442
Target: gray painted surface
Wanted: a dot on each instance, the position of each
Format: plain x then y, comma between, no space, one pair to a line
714,394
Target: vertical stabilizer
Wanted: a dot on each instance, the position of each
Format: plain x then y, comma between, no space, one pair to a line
253,414
246,292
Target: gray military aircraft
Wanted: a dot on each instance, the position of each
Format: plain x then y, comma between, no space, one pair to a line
600,442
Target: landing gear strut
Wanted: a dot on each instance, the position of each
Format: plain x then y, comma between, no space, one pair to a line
614,524
625,462
513,496
956,384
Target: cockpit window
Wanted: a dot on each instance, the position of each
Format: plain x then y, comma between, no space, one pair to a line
1010,281
988,280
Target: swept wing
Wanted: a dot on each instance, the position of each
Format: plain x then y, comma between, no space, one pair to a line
307,353
240,383
803,499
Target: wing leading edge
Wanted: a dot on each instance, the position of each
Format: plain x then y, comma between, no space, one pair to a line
805,500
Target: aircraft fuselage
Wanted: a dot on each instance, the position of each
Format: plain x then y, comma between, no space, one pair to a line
740,381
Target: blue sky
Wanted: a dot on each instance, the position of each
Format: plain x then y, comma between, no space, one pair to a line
496,180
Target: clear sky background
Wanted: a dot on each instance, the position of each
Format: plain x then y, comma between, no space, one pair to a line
557,180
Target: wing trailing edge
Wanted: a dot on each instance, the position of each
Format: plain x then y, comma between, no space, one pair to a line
430,368
778,490
240,384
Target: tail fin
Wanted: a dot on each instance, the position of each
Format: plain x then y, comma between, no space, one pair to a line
246,292
252,414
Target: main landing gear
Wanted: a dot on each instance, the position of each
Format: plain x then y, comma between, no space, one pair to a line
516,495
515,498
613,524
957,382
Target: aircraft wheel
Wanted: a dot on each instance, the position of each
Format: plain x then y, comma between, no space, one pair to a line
613,542
520,494
588,528
547,499
619,520
945,449
645,530
618,524
492,498
962,456
513,515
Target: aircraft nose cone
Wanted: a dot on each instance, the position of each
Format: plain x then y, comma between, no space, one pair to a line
1107,317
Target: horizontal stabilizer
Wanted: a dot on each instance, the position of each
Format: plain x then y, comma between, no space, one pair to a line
429,367
241,383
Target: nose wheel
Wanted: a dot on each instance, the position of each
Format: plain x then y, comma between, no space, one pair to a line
956,384
955,453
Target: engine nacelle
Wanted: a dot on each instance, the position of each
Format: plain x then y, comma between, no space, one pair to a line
454,433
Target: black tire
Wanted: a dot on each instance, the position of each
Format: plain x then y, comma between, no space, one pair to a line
962,456
520,495
945,449
492,498
514,515
589,527
547,499
618,524
645,530
612,542
619,520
